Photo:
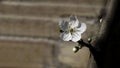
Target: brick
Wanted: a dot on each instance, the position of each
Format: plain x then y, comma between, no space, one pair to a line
63,1
17,54
28,54
29,28
50,11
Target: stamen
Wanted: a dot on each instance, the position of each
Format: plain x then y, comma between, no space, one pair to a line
71,30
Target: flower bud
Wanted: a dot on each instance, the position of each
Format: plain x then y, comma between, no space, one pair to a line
75,49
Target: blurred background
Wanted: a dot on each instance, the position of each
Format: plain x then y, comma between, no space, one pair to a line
29,33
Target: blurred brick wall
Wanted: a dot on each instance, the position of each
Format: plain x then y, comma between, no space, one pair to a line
39,19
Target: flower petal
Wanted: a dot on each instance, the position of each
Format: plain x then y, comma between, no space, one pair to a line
74,18
64,25
66,36
76,36
73,22
81,28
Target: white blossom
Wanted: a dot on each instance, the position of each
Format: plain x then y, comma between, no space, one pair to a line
72,29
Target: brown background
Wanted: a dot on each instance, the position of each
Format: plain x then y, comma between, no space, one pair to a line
38,20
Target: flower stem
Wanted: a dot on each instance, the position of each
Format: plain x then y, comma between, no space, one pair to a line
96,54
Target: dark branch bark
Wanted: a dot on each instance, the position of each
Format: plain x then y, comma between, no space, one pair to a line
98,57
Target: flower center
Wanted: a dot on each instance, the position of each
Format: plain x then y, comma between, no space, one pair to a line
72,30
